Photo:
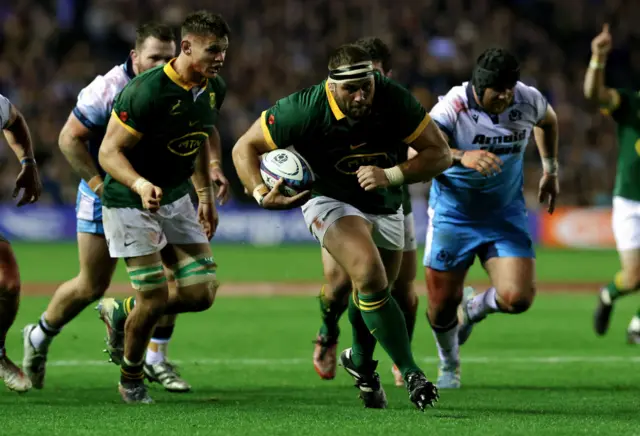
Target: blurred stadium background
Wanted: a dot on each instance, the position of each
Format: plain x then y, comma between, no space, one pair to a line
555,382
50,49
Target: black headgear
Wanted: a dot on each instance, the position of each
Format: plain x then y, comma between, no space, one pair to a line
495,68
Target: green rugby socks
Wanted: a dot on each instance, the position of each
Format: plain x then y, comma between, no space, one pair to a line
123,309
363,341
385,322
615,290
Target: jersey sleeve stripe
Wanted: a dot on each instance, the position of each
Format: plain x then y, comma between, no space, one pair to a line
265,131
83,120
129,129
424,123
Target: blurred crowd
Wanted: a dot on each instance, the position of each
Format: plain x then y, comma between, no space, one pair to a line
51,49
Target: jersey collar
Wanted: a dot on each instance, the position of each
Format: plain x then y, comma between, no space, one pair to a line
332,103
175,77
471,99
128,68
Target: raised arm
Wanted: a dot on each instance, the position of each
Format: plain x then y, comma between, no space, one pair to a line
594,88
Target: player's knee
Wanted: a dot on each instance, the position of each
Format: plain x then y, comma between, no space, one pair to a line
371,281
368,274
92,288
198,297
196,282
152,302
336,291
516,300
207,295
443,297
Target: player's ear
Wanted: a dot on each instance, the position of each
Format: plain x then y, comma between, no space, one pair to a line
134,55
185,46
332,86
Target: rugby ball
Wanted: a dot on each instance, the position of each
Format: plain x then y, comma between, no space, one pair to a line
287,165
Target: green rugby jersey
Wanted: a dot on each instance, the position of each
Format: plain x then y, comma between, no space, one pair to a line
173,119
335,147
626,113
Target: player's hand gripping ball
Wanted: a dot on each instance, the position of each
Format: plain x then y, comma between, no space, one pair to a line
293,169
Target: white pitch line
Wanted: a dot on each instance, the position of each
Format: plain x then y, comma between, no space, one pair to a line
294,362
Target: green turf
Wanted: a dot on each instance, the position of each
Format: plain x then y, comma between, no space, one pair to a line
249,361
59,262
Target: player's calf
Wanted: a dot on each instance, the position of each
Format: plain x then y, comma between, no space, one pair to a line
13,377
332,305
403,290
444,291
333,300
333,296
139,325
9,301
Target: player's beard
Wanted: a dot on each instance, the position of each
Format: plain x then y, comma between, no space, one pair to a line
358,111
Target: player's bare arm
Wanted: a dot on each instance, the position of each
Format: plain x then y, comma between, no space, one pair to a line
246,159
546,134
594,88
16,132
215,167
111,156
433,157
72,141
207,213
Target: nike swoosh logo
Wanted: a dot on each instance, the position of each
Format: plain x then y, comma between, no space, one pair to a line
126,244
191,124
353,147
373,331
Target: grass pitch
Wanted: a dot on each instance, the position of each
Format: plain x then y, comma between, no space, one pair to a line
249,362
